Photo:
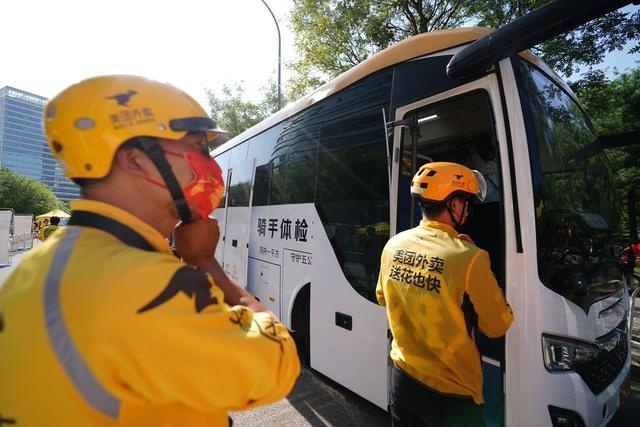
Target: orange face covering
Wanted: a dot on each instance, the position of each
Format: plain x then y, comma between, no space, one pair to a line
205,192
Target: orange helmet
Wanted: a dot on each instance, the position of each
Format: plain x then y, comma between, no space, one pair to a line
435,182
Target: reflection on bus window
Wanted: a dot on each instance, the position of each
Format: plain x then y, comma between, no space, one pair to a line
576,224
352,195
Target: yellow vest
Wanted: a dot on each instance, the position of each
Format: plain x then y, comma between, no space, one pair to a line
95,332
425,274
47,231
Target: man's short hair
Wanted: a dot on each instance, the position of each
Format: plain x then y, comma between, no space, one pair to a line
54,220
431,209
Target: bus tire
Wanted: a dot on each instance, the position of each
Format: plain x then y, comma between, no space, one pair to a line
300,321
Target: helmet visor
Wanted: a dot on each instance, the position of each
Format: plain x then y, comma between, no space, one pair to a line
197,124
481,193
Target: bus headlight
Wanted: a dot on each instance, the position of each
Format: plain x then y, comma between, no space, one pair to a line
563,354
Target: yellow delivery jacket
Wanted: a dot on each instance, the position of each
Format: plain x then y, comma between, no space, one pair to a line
46,232
437,288
108,328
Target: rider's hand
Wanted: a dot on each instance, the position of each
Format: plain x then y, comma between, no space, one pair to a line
197,240
252,303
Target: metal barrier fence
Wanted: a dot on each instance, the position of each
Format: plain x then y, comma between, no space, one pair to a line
21,242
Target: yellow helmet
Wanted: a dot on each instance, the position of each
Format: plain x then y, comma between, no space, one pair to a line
435,182
87,122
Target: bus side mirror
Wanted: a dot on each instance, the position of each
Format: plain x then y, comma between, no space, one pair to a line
615,140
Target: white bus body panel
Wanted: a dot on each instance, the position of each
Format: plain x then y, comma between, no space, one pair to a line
235,243
281,253
281,261
220,215
363,368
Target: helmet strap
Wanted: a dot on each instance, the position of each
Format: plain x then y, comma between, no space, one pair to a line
154,151
457,223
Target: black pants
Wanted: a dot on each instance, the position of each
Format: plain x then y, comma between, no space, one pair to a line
414,404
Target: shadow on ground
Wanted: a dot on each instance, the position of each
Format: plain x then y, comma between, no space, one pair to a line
315,401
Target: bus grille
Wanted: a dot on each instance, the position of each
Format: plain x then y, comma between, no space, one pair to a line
605,367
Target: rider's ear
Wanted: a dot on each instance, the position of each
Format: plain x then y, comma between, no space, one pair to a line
132,161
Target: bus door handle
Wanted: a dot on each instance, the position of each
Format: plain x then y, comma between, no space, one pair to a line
344,321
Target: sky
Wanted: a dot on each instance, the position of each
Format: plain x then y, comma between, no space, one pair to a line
192,44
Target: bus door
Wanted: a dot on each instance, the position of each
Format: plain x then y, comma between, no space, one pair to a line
237,217
219,213
463,125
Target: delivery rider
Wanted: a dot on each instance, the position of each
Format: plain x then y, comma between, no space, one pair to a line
49,229
438,288
101,325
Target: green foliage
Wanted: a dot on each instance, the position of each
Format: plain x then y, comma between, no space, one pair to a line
234,114
614,107
25,195
334,35
586,46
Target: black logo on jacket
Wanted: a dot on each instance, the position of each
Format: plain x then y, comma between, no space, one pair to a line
193,283
7,420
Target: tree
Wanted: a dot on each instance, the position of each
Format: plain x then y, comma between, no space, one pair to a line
614,106
334,35
25,195
234,114
585,46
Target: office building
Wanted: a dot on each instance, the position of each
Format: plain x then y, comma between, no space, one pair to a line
23,147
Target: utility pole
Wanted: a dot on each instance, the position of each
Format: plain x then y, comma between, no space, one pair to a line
279,55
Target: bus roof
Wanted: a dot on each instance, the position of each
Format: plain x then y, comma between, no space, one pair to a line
407,49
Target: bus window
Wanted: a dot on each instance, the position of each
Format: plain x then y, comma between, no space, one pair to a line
238,154
576,211
295,167
286,159
240,180
352,195
261,148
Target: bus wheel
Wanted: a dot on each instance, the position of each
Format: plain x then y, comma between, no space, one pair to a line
300,324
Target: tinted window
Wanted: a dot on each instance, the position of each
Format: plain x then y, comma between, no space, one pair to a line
262,147
286,157
577,215
352,195
240,184
419,79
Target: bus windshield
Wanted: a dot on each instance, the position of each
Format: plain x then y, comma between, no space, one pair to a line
577,214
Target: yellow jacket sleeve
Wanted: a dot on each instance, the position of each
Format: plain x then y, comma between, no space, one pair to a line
380,292
494,313
184,344
384,265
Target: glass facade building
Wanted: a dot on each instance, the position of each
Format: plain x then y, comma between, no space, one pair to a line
23,147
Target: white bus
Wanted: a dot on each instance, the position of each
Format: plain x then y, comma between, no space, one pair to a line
314,192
